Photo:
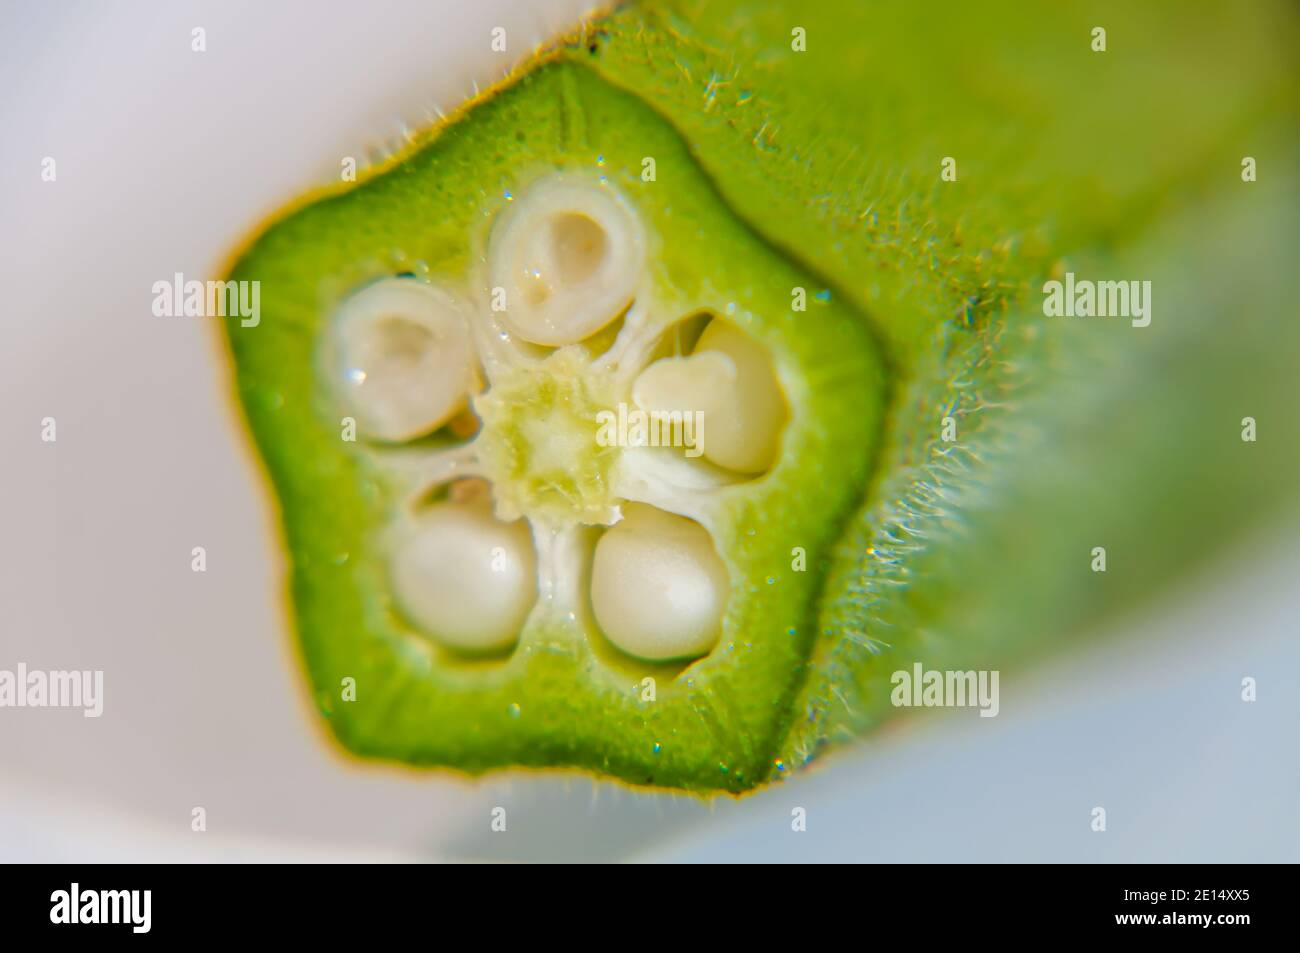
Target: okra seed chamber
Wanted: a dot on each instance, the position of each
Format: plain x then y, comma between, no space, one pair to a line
469,567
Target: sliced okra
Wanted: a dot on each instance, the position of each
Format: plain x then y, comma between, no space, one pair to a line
598,458
491,562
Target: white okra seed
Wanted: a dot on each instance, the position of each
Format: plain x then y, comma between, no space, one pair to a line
464,577
569,254
658,587
730,381
402,358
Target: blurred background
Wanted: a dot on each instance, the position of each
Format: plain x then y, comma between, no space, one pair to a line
165,159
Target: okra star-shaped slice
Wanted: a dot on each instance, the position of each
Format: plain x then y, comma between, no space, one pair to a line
559,456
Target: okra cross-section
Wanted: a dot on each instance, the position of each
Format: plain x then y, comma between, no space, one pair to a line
559,449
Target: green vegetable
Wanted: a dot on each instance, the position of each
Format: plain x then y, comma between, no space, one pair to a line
828,228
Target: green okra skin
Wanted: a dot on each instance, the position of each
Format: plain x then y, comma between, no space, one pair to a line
820,168
1122,164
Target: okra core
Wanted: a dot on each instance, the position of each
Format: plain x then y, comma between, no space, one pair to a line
532,517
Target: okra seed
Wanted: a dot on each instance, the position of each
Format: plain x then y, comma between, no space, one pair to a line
730,381
569,255
403,362
465,577
658,587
